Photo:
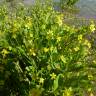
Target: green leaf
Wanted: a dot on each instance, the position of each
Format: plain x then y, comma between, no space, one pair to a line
55,85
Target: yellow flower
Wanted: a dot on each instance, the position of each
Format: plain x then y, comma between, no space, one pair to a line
91,94
49,34
68,92
31,35
89,89
28,22
87,43
28,19
53,76
41,80
51,48
80,37
59,19
10,48
50,8
46,50
15,23
58,39
4,52
94,61
90,77
32,52
76,49
67,28
92,27
28,25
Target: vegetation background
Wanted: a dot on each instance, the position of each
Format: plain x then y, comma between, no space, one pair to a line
41,55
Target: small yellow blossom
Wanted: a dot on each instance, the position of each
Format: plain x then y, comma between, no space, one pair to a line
49,34
87,43
53,76
92,27
10,48
66,27
58,39
90,77
68,92
28,25
50,8
91,94
80,37
32,52
46,50
51,48
4,52
29,41
41,80
15,23
76,49
31,35
28,19
94,61
59,19
28,22
89,89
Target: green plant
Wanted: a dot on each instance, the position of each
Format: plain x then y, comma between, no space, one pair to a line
42,56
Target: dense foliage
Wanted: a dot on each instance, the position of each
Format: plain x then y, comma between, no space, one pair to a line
42,56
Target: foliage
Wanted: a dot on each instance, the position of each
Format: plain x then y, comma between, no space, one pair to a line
42,56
